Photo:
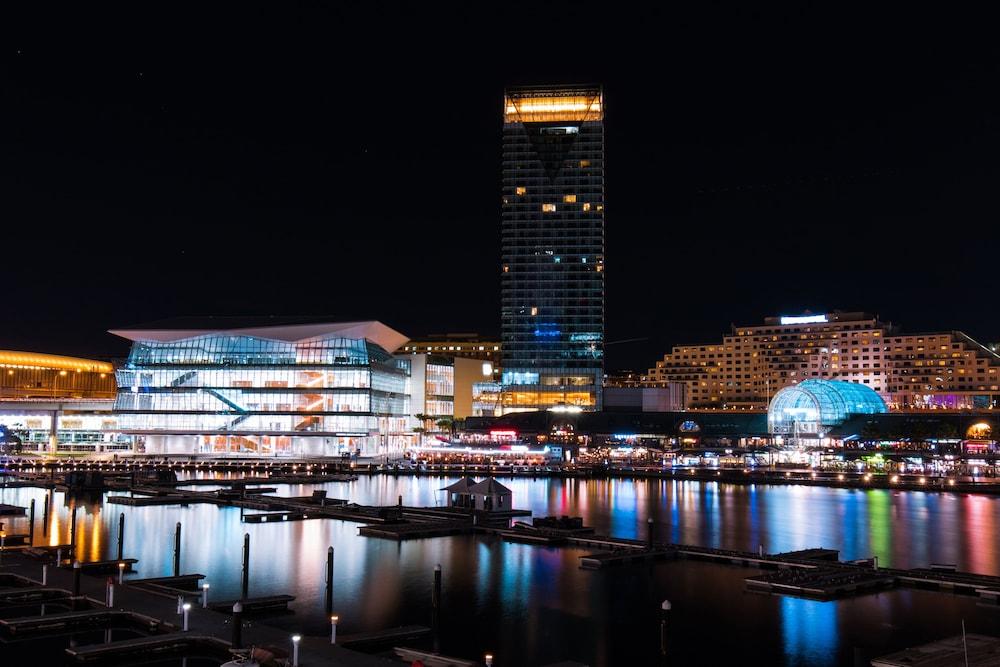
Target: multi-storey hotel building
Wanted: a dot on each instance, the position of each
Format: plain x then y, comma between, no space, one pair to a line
220,387
552,235
946,370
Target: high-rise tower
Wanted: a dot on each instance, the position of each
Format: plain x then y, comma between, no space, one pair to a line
552,304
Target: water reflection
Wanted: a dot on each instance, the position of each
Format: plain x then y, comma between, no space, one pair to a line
533,604
809,631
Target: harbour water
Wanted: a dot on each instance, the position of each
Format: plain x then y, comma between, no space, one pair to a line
532,605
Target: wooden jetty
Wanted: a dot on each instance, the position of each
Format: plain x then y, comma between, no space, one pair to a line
971,650
823,583
12,510
256,605
602,559
105,566
380,639
416,531
185,585
277,517
145,612
77,621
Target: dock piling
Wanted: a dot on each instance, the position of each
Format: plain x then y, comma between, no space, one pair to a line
650,524
664,617
45,515
31,523
237,625
77,569
72,530
121,535
401,500
45,575
329,581
436,608
245,586
760,550
177,550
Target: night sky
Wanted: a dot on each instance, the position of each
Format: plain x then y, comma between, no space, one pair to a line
311,160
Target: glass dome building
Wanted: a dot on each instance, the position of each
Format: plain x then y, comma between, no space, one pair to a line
812,407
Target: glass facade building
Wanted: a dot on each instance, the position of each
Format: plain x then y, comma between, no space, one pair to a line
300,390
552,237
812,407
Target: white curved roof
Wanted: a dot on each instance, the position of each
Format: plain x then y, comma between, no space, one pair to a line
386,337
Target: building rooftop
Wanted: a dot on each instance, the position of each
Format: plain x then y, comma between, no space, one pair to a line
13,358
287,329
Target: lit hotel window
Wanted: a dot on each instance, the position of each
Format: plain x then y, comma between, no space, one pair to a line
506,268
586,207
569,199
549,208
584,163
534,310
520,190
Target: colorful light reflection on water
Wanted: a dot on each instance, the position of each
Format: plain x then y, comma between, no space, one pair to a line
533,604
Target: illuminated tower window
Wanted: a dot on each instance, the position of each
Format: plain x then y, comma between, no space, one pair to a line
553,142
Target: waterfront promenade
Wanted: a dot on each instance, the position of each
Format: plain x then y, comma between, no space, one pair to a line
30,471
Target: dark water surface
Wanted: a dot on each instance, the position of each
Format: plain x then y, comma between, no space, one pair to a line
531,605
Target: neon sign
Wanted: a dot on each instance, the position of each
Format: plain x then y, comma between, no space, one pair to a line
804,319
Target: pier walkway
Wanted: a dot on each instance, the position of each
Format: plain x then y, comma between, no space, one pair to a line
204,623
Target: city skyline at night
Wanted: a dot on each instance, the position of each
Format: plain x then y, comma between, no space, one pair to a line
149,181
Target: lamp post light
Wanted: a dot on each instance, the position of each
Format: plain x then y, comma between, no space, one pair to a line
121,572
333,629
204,596
295,650
187,609
489,660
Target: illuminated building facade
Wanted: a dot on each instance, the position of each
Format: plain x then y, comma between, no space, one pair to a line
812,407
944,370
441,388
54,403
33,375
317,389
552,236
467,345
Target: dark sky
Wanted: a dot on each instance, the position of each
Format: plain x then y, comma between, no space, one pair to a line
303,159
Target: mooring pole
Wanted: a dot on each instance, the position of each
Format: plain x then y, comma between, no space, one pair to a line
31,523
649,524
76,578
121,535
246,567
177,550
436,608
664,617
45,516
329,581
237,625
72,531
